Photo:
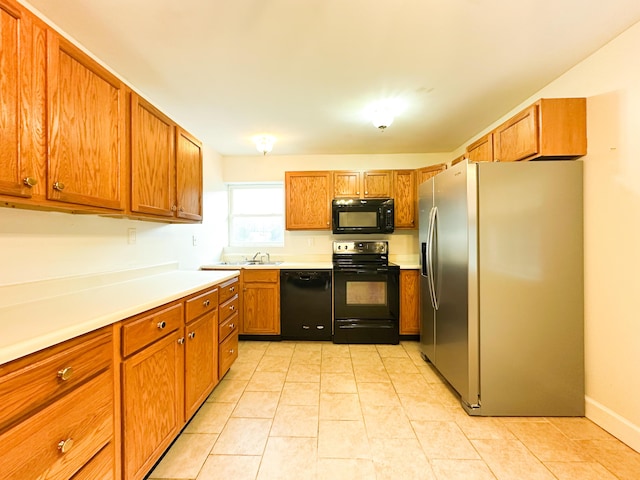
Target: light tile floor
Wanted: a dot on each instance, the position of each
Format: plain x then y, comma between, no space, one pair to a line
305,410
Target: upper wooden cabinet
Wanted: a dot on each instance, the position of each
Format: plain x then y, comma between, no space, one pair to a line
153,160
550,128
367,184
308,200
481,150
188,176
23,43
86,129
404,187
425,173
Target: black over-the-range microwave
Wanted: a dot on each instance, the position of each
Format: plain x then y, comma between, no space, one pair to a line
357,215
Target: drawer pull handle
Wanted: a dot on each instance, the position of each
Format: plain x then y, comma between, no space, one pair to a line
231,351
181,341
162,324
232,326
192,335
206,303
65,373
30,181
232,307
65,445
232,289
58,186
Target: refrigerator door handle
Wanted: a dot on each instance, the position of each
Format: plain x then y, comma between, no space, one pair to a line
431,235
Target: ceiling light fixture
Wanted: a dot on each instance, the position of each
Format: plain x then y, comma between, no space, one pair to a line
382,112
382,118
264,143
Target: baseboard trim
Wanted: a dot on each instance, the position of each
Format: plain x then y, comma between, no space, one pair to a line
615,424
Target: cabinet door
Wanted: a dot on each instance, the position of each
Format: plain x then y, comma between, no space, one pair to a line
308,200
152,404
518,138
261,309
481,150
152,160
346,184
404,187
426,173
201,367
409,302
377,184
22,102
188,176
86,129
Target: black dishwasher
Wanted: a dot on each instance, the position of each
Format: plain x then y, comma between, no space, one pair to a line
305,304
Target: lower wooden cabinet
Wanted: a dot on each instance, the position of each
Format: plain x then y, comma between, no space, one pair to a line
260,302
56,435
100,467
201,361
409,302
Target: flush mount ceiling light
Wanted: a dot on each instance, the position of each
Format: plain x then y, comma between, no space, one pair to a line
383,112
264,143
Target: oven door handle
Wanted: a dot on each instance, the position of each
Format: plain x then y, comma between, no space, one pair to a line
354,270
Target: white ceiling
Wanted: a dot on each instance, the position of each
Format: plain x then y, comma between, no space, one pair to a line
305,70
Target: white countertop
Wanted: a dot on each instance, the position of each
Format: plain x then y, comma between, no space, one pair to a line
292,266
38,321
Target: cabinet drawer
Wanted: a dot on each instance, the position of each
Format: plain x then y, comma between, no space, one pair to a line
229,325
201,304
142,331
228,289
227,353
100,467
270,276
80,423
42,380
228,308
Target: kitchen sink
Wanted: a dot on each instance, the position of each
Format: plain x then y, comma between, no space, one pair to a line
249,262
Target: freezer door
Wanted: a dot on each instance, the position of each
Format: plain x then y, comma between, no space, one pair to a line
454,199
427,311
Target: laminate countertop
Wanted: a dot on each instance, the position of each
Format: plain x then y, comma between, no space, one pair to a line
38,315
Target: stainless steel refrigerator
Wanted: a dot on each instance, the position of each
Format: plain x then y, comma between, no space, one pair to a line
501,286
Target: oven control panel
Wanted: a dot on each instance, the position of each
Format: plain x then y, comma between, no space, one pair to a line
361,246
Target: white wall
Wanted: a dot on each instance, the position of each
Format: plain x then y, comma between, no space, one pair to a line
610,79
38,245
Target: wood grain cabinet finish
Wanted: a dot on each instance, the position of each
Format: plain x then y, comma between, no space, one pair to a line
153,158
152,403
201,360
260,302
362,184
100,467
425,173
409,302
86,129
58,409
188,176
347,184
405,200
481,150
308,200
552,128
23,42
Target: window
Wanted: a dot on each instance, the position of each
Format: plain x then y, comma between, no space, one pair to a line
256,215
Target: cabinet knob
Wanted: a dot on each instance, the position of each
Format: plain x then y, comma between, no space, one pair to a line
192,335
232,307
231,326
65,445
366,193
30,181
232,289
173,208
357,193
181,341
161,325
58,186
65,373
206,303
181,209
231,351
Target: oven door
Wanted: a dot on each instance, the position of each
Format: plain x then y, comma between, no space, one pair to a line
366,293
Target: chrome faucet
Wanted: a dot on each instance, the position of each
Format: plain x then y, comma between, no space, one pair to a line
268,258
255,256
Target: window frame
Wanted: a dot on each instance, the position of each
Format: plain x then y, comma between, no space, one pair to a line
231,215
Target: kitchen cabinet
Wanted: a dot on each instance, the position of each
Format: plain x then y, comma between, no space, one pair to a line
153,159
550,128
152,387
229,323
260,302
22,102
308,200
188,176
458,159
405,198
425,173
58,409
367,184
86,129
409,302
481,150
201,349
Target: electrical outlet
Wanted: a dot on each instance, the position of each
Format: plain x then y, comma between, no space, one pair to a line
131,236
310,242
194,240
